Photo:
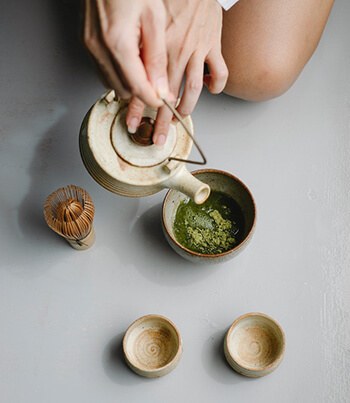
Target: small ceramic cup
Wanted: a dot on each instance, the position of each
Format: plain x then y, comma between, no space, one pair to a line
152,346
220,181
254,345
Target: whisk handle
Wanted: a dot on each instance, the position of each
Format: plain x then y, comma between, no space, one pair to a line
82,244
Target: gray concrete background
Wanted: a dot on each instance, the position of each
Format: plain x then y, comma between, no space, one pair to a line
63,313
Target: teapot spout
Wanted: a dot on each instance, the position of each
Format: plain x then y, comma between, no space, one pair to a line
186,183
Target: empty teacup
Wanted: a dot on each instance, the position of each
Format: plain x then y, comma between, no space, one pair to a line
152,346
254,345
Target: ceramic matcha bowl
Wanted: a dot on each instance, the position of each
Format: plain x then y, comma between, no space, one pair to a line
226,185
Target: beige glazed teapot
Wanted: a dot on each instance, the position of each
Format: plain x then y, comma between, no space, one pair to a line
132,169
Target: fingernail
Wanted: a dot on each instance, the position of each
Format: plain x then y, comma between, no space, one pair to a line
133,125
160,141
162,87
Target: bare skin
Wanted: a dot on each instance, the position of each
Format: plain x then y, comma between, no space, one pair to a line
255,50
193,37
114,32
266,44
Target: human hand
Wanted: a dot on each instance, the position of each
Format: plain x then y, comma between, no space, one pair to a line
127,40
193,36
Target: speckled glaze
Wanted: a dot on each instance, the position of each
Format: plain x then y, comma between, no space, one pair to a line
123,167
218,181
254,345
152,346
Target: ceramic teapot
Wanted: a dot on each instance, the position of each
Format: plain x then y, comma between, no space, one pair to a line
127,168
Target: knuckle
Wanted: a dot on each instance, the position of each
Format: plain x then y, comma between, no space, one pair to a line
185,110
222,73
162,126
109,38
194,84
122,93
141,90
135,107
135,89
115,39
157,60
155,16
219,81
91,42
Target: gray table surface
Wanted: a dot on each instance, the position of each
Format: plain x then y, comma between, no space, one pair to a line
63,313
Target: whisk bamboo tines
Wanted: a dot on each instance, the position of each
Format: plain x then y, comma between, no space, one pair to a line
69,211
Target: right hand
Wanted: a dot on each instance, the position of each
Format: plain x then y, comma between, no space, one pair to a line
127,40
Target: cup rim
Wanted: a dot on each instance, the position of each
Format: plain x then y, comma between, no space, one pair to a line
208,255
280,355
134,325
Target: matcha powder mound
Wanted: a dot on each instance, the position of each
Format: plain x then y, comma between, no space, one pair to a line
204,228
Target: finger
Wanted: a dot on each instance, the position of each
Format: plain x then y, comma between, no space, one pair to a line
164,115
134,114
218,72
127,56
121,37
193,84
92,40
161,127
154,52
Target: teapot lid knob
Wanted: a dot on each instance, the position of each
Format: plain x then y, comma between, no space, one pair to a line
144,133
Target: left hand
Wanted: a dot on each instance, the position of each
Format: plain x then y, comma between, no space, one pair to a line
193,36
127,40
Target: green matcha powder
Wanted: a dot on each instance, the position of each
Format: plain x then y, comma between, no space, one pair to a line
209,228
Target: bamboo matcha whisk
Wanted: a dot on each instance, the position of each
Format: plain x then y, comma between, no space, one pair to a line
69,211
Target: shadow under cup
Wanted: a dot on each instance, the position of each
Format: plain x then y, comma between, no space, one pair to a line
218,181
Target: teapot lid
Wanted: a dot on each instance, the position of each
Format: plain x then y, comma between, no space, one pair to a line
111,155
136,154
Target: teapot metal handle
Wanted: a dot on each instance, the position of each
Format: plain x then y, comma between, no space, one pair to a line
179,118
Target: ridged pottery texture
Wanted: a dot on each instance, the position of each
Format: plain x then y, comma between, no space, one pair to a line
152,346
133,170
254,345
